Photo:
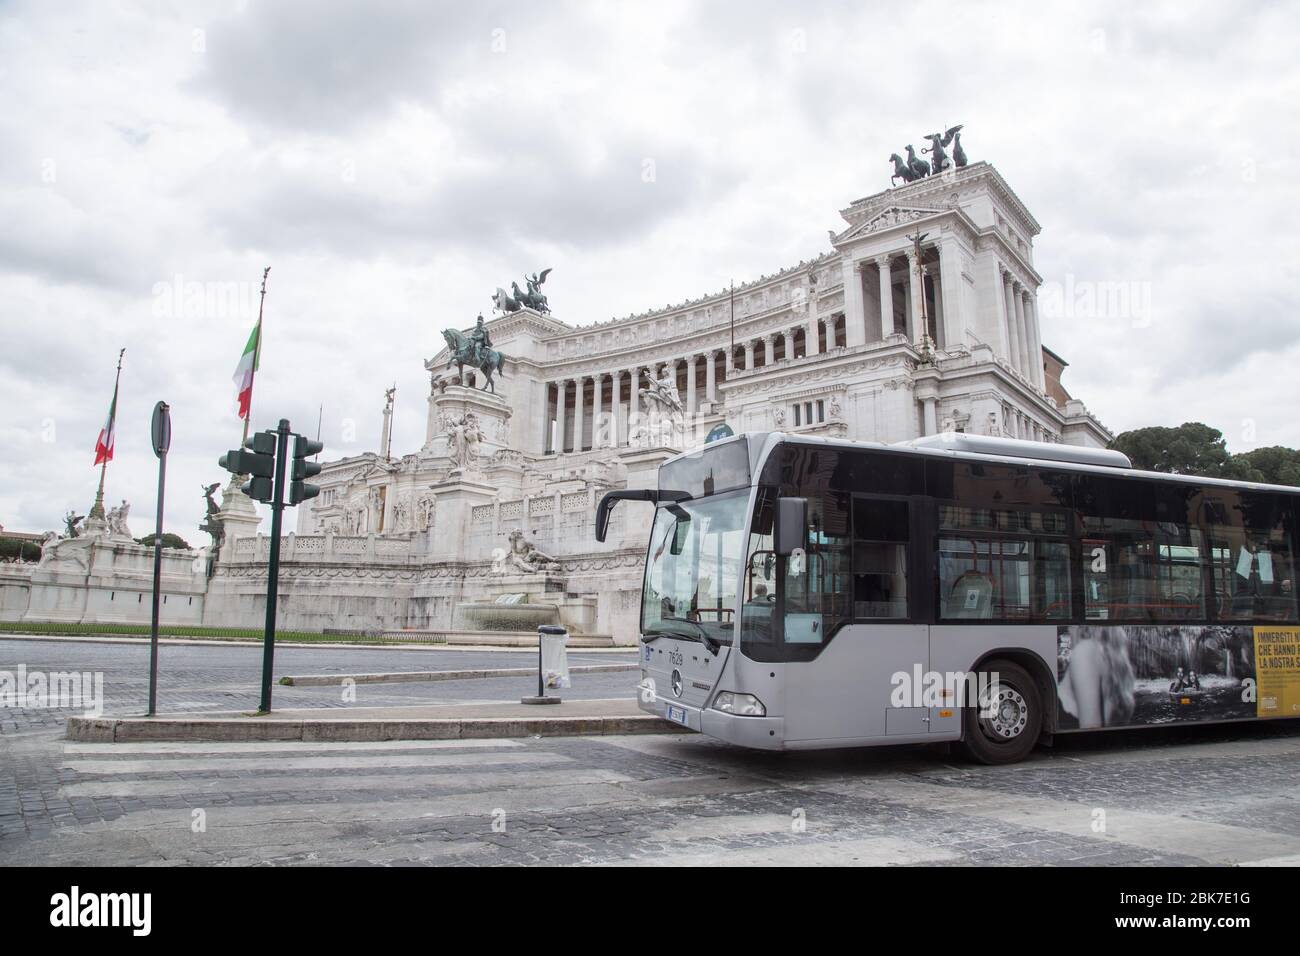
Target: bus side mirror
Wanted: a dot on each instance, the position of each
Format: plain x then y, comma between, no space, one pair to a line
611,498
791,527
602,515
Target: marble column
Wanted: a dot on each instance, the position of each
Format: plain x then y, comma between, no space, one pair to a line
930,419
619,427
950,281
914,323
691,361
886,298
546,416
769,348
599,426
635,391
937,320
854,317
561,399
1026,358
1035,337
810,336
710,378
1013,331
749,355
579,413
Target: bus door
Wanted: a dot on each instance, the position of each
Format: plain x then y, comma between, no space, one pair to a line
846,618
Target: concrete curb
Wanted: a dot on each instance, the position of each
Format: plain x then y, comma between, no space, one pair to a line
257,642
122,729
399,677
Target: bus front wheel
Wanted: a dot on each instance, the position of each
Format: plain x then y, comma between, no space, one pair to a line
1004,726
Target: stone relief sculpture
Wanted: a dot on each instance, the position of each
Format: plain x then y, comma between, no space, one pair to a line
355,515
834,408
463,437
778,416
402,514
424,510
525,556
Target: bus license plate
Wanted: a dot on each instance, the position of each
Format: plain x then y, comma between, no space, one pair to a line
677,715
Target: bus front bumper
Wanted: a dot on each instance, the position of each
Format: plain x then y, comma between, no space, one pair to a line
761,733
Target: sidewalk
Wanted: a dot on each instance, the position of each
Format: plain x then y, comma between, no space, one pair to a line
429,722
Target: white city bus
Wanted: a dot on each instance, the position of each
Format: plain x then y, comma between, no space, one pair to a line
804,593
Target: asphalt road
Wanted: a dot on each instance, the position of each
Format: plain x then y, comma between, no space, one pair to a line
1208,795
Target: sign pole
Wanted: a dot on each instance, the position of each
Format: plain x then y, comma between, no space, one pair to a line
161,431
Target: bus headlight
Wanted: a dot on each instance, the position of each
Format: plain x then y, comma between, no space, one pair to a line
742,705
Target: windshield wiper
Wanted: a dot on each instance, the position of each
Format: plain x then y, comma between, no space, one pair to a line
712,643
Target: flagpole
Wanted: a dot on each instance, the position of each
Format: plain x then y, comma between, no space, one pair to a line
97,510
257,356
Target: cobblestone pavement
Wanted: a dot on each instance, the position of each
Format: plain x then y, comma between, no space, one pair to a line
1209,795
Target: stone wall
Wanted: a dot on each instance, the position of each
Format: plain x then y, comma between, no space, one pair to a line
102,579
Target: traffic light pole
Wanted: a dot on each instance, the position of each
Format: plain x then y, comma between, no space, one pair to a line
273,569
265,459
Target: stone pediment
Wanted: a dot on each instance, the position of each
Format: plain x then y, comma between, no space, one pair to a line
377,469
890,218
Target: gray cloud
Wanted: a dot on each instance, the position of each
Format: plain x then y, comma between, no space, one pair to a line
308,66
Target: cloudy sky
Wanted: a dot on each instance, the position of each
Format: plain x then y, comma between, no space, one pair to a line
393,162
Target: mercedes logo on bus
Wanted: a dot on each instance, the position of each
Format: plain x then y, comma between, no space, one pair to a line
676,680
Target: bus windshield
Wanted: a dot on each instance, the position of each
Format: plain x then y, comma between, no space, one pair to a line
693,568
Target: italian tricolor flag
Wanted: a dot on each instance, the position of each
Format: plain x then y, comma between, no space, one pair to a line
244,371
104,443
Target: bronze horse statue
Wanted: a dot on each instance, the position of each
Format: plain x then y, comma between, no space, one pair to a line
462,352
901,169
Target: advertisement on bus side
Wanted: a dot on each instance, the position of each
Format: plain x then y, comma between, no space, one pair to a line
1115,675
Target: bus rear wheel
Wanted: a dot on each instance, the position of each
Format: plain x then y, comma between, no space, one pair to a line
1007,729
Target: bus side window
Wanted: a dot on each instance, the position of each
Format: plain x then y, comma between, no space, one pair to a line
1251,559
1003,564
817,590
1120,571
880,541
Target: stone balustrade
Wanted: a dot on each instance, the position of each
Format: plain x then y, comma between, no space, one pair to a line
324,547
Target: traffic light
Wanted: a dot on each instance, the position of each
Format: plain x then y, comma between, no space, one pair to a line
299,490
257,460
